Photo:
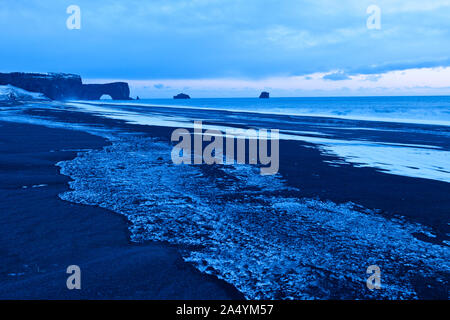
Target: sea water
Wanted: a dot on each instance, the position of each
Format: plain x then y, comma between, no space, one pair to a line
254,231
415,109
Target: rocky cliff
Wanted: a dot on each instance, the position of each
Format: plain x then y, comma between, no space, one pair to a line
62,86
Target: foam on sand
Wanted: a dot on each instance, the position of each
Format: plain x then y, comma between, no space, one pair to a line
418,161
424,115
412,160
253,231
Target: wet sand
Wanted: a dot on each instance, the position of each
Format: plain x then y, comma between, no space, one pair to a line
41,235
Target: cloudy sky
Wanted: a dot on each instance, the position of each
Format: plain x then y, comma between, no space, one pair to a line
229,48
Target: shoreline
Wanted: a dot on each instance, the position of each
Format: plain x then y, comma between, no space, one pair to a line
41,234
302,167
412,121
417,199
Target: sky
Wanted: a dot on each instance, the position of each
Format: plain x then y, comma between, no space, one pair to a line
236,48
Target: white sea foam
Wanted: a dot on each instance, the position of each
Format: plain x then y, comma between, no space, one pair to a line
135,117
253,231
412,160
16,116
399,117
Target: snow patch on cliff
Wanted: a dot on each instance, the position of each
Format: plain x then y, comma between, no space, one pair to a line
11,93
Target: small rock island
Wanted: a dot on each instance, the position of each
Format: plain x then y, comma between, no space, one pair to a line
181,96
264,95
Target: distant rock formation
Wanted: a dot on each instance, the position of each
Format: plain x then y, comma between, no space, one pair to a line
264,95
181,96
117,91
63,86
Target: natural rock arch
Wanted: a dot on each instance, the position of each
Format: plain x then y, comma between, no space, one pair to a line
60,86
105,97
116,90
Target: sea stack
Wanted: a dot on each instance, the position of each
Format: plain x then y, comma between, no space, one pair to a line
264,95
181,96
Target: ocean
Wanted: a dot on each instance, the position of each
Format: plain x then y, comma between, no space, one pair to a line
269,236
380,132
431,110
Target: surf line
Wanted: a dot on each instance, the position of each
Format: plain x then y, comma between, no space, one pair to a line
213,153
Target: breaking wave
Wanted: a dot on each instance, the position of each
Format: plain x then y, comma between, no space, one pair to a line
254,231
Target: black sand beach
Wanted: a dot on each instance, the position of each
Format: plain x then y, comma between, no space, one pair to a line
302,165
224,158
41,235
